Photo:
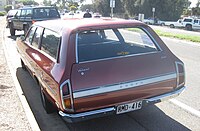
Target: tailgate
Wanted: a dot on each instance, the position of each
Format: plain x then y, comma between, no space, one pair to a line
111,82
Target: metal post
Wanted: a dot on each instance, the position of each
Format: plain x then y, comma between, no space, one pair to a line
112,5
111,12
153,10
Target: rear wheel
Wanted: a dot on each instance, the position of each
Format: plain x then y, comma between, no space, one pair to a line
188,27
12,30
48,106
171,26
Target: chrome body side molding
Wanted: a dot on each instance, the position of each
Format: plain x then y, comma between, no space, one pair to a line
122,86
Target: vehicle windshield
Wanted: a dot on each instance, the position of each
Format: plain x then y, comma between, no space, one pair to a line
45,13
110,43
12,12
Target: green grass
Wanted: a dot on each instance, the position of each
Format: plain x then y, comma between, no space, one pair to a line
178,36
172,35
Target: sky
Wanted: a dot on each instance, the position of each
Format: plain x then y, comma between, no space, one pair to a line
194,2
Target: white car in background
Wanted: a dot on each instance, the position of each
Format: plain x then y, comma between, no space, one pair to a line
172,24
154,21
190,23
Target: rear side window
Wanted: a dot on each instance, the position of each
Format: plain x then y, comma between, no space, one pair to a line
110,43
45,13
50,42
36,38
187,20
28,13
29,37
23,13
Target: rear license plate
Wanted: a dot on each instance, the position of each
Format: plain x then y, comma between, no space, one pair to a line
129,107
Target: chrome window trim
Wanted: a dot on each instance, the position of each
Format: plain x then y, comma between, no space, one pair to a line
151,37
122,86
76,47
119,57
142,28
177,73
70,93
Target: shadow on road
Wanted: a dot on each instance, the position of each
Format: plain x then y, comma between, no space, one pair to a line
14,37
149,118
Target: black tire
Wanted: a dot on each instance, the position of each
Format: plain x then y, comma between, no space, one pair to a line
162,24
12,30
48,106
171,26
23,65
188,27
26,27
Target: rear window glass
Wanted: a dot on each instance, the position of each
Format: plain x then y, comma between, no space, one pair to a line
109,43
45,13
188,20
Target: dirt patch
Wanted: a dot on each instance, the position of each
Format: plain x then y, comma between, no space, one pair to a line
12,115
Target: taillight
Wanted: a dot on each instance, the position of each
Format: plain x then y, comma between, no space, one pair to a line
65,90
180,74
66,97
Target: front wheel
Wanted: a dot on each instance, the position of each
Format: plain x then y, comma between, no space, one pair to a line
162,24
48,106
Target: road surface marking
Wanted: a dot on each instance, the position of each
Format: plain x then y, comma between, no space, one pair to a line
186,107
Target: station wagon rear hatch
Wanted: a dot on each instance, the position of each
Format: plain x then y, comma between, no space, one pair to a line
116,66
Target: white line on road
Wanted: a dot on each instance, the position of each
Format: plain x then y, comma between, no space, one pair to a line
186,107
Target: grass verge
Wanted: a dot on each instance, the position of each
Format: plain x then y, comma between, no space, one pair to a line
178,36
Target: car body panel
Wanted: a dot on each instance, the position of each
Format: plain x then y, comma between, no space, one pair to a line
103,83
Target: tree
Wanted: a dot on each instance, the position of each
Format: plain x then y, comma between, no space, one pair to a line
103,7
47,2
7,8
28,2
73,8
166,10
198,3
87,6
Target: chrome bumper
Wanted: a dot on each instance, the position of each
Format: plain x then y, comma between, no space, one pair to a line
112,110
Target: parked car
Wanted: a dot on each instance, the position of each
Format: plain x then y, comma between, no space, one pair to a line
10,15
190,23
154,21
26,16
89,68
172,24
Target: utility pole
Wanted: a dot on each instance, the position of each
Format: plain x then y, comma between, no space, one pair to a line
153,10
112,5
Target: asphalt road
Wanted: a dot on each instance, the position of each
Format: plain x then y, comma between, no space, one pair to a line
165,116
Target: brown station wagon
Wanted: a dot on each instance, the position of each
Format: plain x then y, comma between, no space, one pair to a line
89,68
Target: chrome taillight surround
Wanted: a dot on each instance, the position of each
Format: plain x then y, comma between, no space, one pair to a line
180,71
67,82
